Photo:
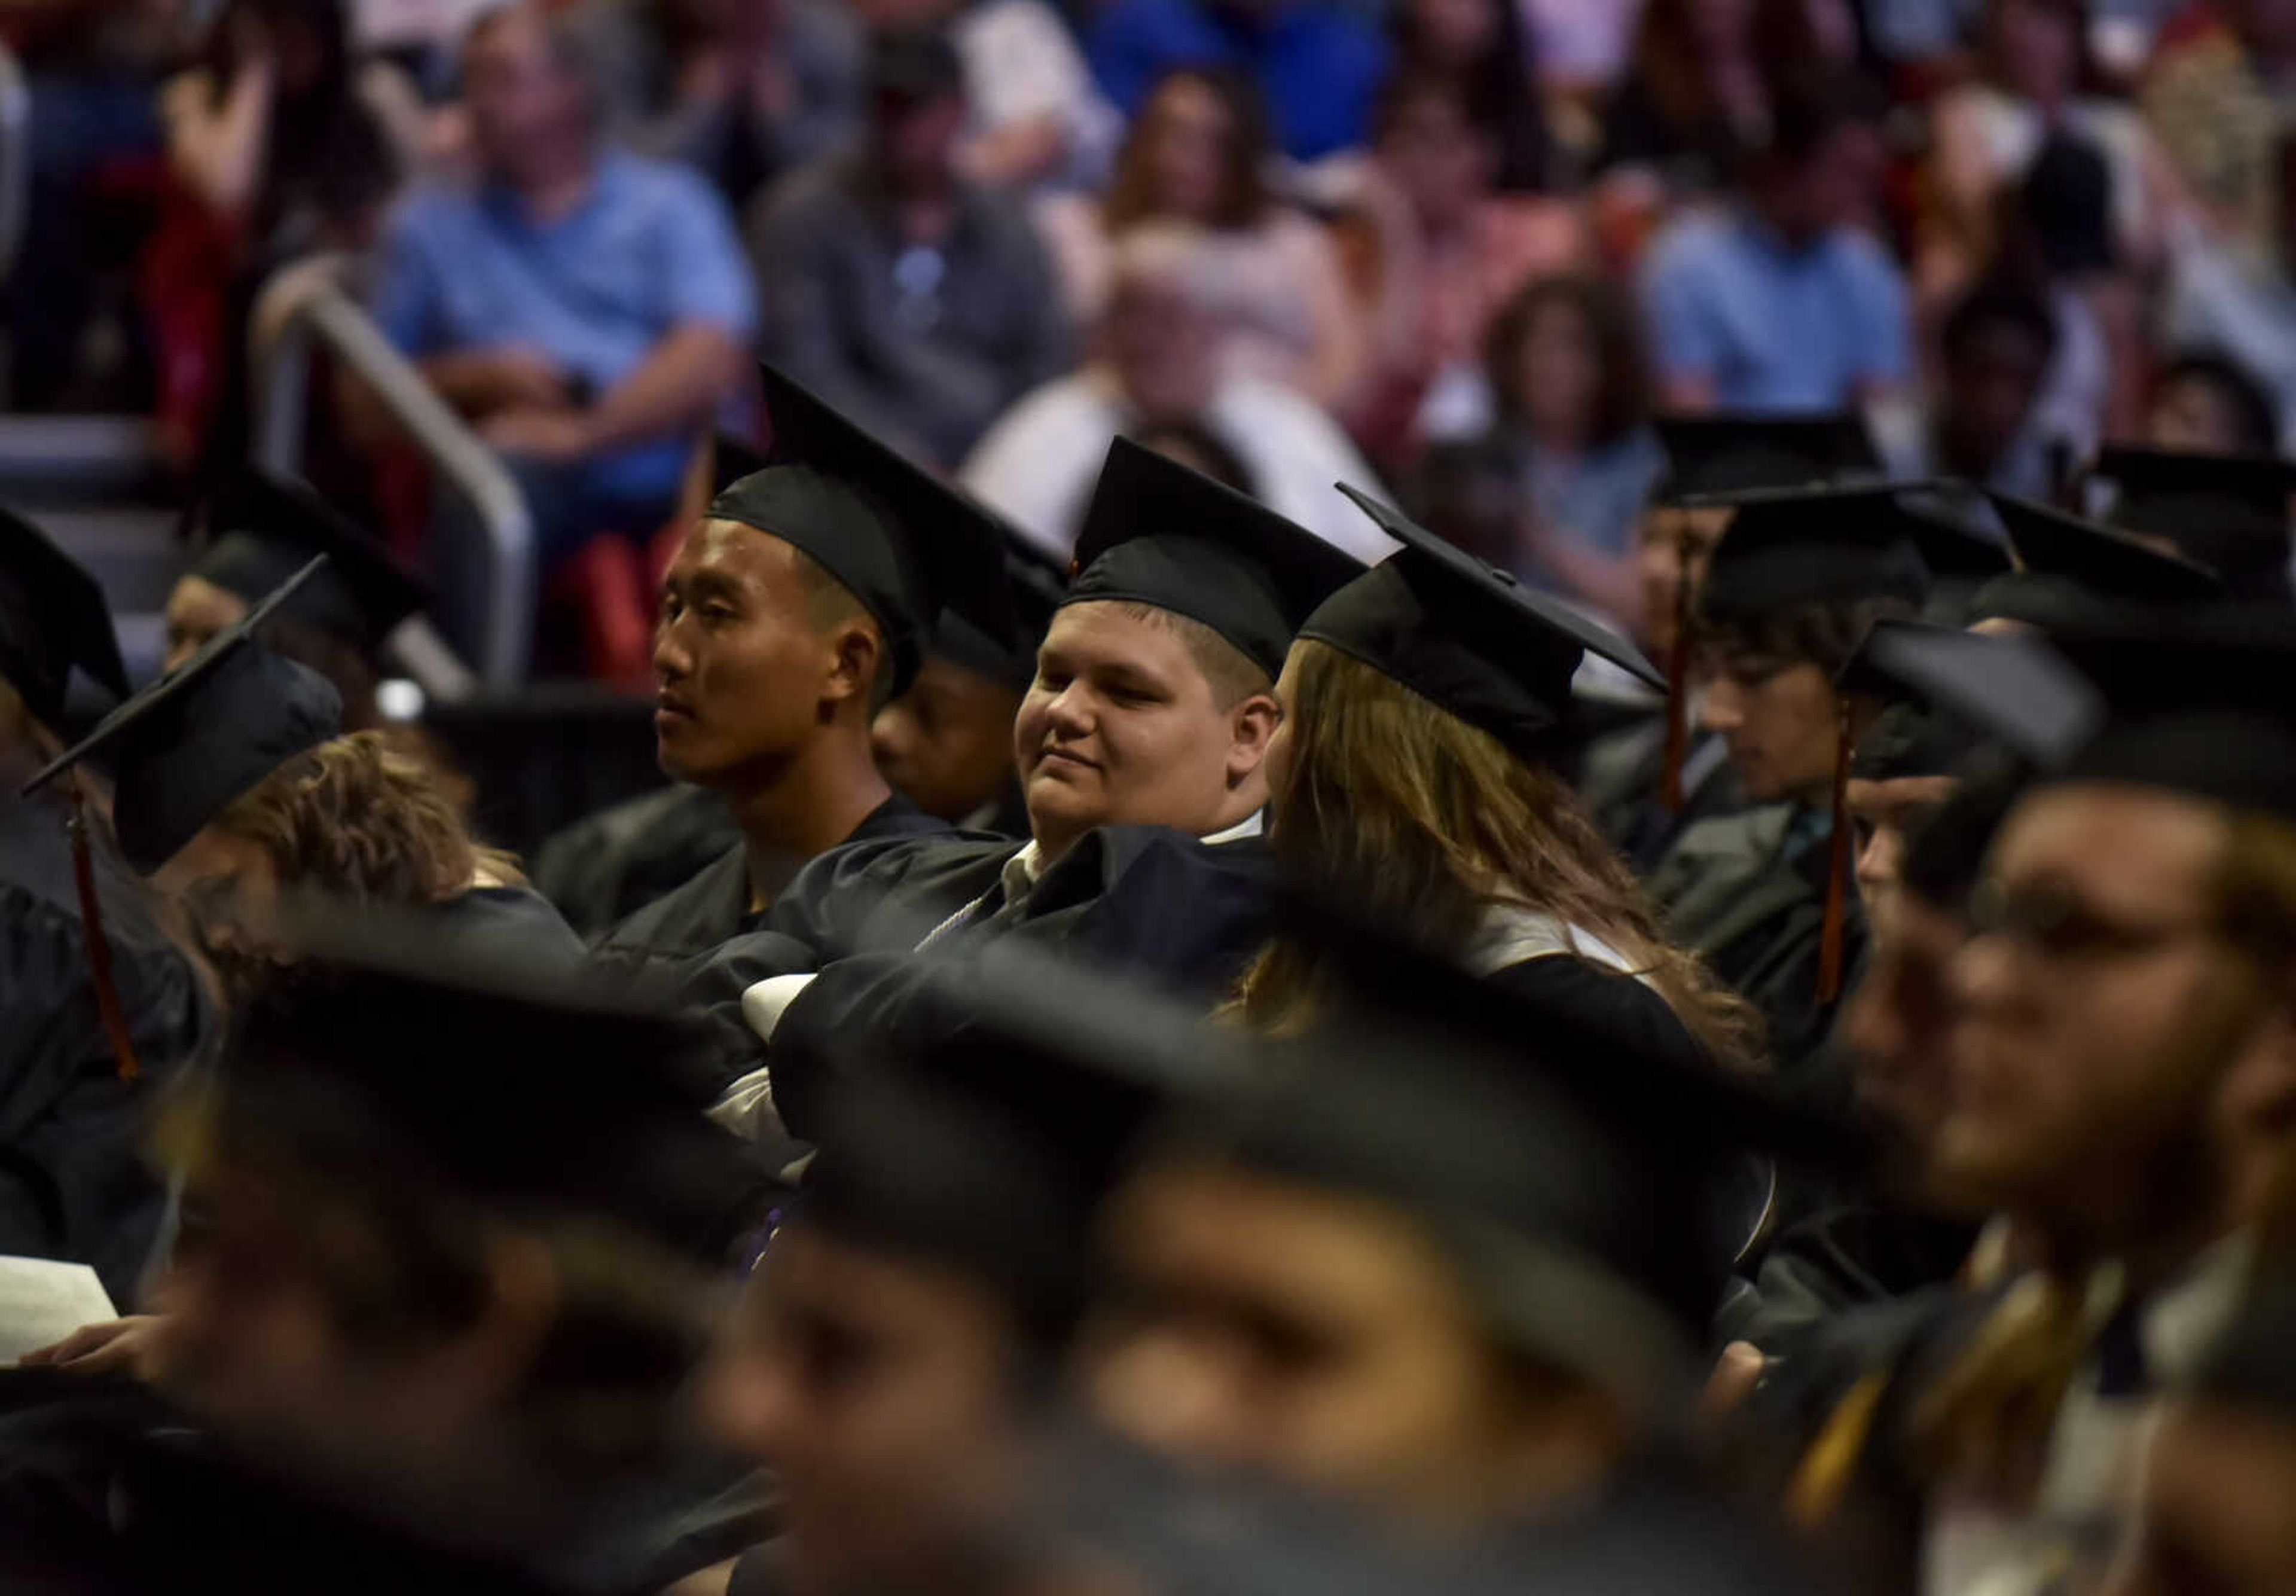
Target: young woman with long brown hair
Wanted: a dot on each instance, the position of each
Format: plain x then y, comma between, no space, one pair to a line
1409,782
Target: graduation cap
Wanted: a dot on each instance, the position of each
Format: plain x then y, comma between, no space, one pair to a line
2068,568
985,1139
2229,512
1733,452
511,1082
1569,1167
1788,546
732,458
1467,637
263,529
904,543
1037,584
187,745
53,617
1160,534
2013,690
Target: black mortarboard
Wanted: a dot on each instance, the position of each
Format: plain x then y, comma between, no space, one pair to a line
985,1139
1733,452
1820,546
2229,513
1037,585
2200,701
730,459
1157,533
2013,689
263,529
904,543
185,747
511,1082
2068,569
53,617
1468,637
1569,1168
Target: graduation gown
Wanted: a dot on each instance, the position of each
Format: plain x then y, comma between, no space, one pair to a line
606,867
73,1183
713,907
511,922
1619,787
1747,894
1179,913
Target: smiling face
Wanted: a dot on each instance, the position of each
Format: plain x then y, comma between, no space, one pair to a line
1123,726
2096,1013
745,674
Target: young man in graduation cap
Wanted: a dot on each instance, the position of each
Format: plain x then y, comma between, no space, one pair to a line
1451,1264
458,1226
1645,782
796,609
261,529
2229,513
98,1010
1144,736
1765,894
2117,1102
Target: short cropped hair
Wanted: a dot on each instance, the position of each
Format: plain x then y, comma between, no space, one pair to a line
1233,675
829,604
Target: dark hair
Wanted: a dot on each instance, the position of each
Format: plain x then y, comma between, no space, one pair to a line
1244,194
1999,302
2089,76
323,147
1206,452
1667,67
2252,407
1499,93
1825,635
1809,107
1623,400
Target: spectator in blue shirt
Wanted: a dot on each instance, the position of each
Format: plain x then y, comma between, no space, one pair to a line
1784,301
589,311
1319,64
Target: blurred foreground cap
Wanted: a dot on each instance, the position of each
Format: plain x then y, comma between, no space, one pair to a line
53,617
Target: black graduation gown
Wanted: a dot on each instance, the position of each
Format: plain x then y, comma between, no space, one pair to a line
73,1182
1165,908
1844,1253
606,867
511,922
713,908
1747,894
1618,782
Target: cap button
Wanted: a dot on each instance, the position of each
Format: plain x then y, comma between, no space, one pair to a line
1508,577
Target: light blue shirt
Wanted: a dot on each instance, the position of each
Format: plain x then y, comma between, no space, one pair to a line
650,249
1772,328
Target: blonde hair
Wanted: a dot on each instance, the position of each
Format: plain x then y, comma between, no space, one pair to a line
360,818
1424,823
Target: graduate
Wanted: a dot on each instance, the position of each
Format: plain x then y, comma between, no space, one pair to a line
1763,895
2228,513
260,530
1623,776
797,608
2125,988
1448,1261
1413,781
99,1011
232,786
457,1233
2070,571
1144,737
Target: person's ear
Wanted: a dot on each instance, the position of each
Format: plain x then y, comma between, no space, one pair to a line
854,653
524,1292
1252,727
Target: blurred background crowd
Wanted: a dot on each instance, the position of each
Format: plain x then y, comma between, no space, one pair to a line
1465,247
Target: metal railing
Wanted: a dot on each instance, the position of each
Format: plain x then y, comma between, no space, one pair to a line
15,159
308,307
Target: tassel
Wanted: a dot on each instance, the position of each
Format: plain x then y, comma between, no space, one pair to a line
1670,795
1837,867
98,949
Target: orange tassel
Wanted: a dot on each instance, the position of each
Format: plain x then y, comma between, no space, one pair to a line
1837,868
1670,795
108,1007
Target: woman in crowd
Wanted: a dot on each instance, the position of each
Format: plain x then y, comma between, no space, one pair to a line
1479,52
1573,394
1409,780
1694,100
1197,154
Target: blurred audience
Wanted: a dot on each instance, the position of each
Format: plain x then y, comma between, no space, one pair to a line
1156,367
1794,253
1318,63
1566,366
907,296
1985,424
1695,99
585,308
2217,100
1433,253
2207,405
742,90
1198,155
1479,52
2237,300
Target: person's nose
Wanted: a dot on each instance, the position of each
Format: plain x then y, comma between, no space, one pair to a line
673,659
1069,715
